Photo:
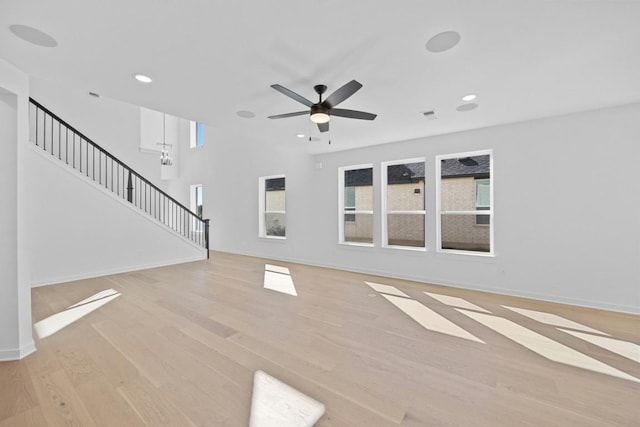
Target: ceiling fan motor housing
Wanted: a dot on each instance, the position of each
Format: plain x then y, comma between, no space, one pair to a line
318,108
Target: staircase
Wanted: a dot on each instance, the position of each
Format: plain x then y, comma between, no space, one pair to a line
62,141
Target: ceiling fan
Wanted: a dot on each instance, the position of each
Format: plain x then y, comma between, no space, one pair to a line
321,112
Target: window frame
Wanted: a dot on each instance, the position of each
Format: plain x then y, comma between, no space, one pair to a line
490,212
384,204
342,209
262,207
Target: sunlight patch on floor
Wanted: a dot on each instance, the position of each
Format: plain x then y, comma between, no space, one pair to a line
545,347
276,404
429,319
58,321
278,279
553,320
623,348
387,289
455,302
276,269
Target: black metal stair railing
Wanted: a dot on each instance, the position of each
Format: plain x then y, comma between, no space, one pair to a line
61,140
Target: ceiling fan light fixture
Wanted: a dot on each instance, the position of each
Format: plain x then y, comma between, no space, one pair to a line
320,117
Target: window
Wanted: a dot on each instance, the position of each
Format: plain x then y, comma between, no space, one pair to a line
198,199
195,134
195,204
356,205
465,202
272,202
403,203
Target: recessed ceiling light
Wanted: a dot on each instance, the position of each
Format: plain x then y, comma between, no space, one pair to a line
469,97
467,107
443,41
33,35
143,78
246,114
300,135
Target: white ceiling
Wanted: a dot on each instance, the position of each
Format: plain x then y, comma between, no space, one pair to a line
210,59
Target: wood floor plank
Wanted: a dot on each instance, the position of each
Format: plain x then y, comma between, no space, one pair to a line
17,394
59,401
106,406
30,418
153,406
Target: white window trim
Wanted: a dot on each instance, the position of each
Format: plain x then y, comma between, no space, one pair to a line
439,213
341,171
262,211
385,212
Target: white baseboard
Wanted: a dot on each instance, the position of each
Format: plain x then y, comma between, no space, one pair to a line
106,272
17,353
628,309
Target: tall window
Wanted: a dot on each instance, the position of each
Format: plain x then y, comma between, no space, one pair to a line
403,202
195,199
198,200
465,202
195,134
356,205
272,206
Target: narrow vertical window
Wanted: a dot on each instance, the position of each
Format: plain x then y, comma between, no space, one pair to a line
198,197
465,202
195,134
356,205
272,204
195,203
403,204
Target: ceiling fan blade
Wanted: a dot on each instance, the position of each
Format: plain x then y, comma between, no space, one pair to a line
342,93
352,114
282,116
291,94
324,127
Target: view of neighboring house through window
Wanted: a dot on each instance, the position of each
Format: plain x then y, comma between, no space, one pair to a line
483,199
272,203
465,202
349,204
403,203
356,204
195,134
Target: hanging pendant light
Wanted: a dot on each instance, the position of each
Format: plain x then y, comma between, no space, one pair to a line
165,155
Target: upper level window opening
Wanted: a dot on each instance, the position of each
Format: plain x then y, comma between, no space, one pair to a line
195,134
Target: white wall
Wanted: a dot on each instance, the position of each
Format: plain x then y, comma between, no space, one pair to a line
113,125
15,294
567,197
79,229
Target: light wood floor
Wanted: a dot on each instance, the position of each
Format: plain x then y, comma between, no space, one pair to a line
181,344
